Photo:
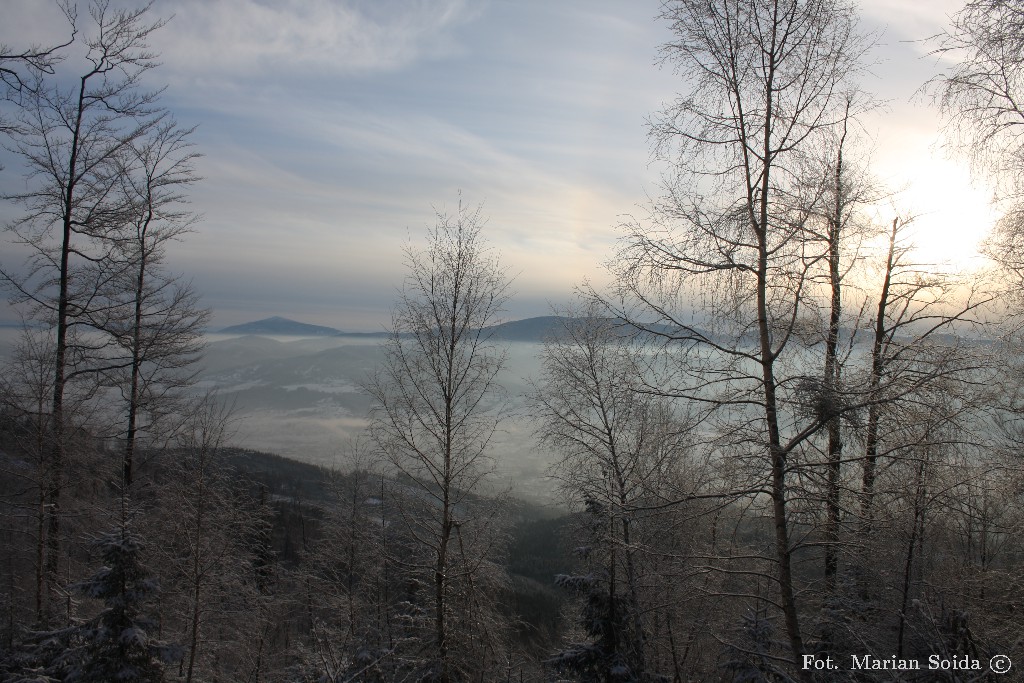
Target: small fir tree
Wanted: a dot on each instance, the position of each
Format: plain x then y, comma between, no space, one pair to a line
117,644
612,652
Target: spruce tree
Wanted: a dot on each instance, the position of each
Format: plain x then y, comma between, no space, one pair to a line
117,644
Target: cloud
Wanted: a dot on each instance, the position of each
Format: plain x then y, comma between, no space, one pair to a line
331,128
330,213
910,22
262,39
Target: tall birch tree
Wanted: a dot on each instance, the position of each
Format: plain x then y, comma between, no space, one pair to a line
437,409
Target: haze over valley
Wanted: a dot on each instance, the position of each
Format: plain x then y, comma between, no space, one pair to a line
300,397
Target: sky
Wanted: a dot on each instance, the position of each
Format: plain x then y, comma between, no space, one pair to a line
332,131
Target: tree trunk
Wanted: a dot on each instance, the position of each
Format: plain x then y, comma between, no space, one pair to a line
56,483
133,400
877,365
834,458
197,573
916,535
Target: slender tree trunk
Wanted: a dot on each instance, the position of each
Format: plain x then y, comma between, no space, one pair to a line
384,583
40,555
676,662
778,475
441,569
447,519
139,295
353,539
757,202
776,452
133,400
441,589
56,483
833,511
636,641
983,556
41,510
612,626
833,507
874,413
197,570
916,534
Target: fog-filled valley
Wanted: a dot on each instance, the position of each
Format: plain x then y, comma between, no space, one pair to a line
302,398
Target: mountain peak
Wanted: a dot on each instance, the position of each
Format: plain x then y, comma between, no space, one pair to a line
285,327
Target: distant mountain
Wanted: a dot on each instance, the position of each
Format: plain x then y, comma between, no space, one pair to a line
528,330
281,327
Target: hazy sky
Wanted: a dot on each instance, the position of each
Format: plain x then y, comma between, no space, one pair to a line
330,128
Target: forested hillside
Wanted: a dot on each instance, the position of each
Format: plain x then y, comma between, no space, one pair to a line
782,446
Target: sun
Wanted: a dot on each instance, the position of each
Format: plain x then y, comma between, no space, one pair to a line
952,214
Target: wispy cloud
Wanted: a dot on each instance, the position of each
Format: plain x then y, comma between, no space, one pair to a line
263,39
331,127
910,21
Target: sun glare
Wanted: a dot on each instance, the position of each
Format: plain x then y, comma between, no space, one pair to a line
951,213
952,216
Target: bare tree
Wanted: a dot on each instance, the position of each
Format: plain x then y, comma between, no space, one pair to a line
71,142
617,448
766,78
915,307
436,413
838,191
25,468
352,599
24,400
20,68
981,95
204,530
154,317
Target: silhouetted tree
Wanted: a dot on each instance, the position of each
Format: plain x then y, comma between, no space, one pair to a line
617,446
72,143
766,78
154,318
980,93
436,412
